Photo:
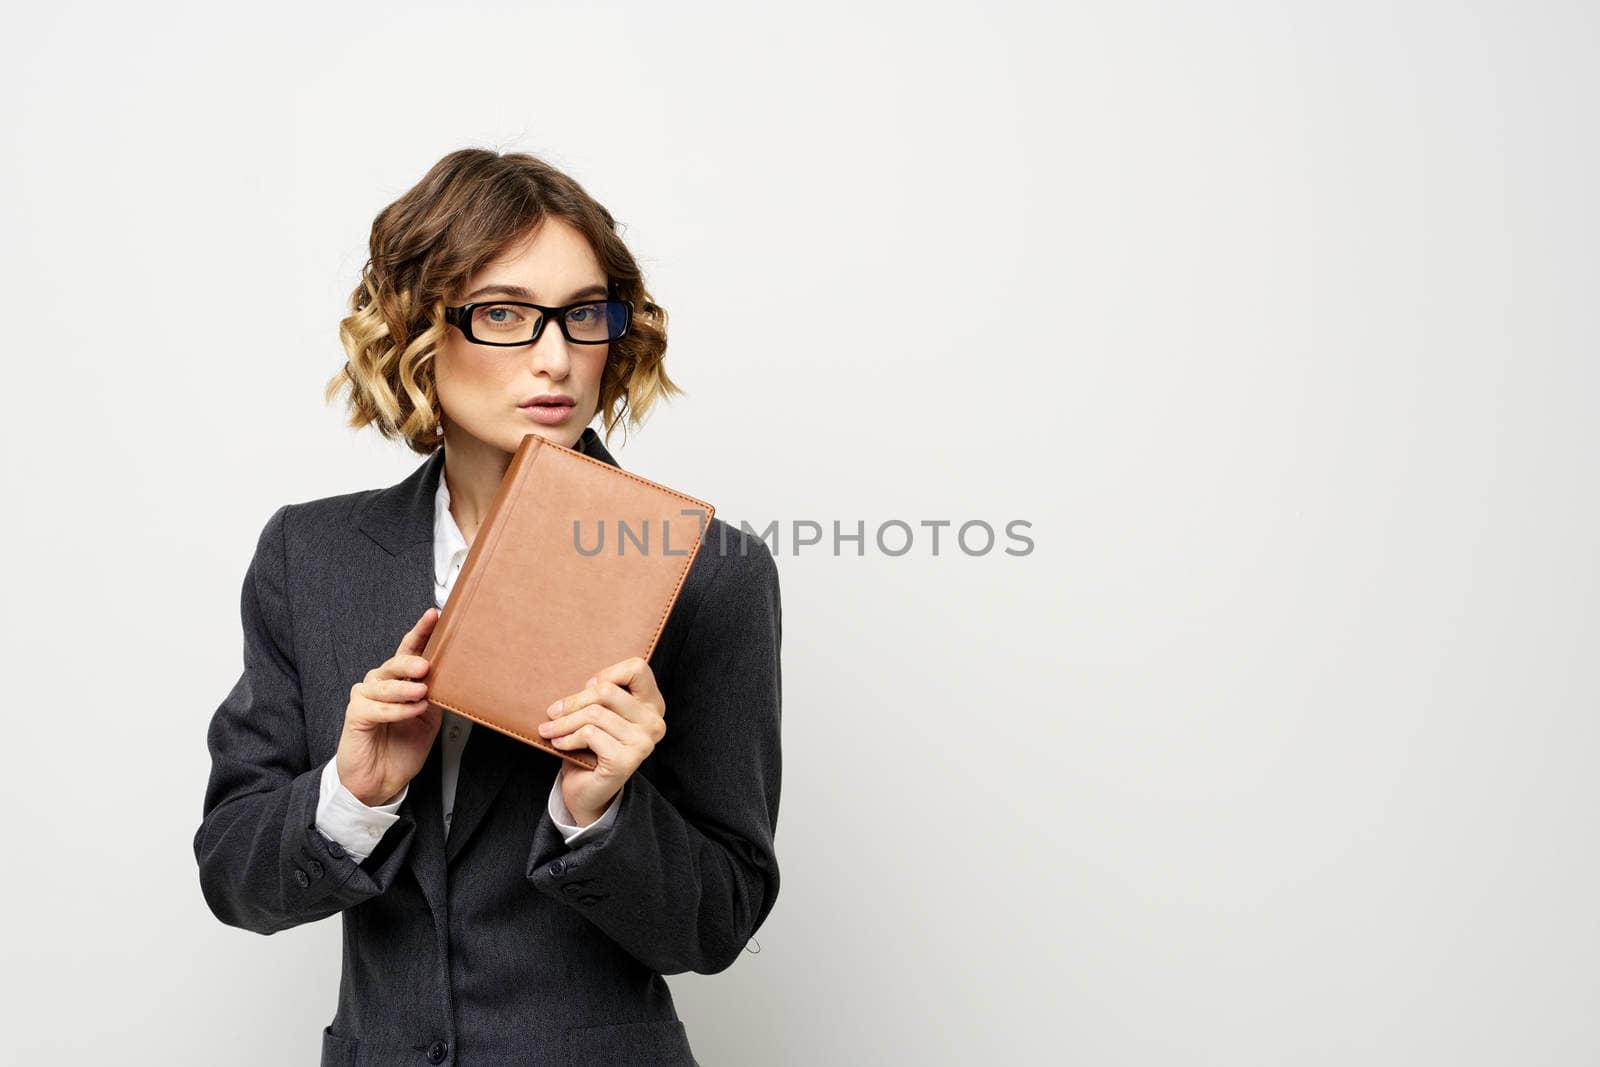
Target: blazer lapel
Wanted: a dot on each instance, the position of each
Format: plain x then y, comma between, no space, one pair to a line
389,582
385,590
425,806
486,762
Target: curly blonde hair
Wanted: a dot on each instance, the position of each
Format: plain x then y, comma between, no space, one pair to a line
424,246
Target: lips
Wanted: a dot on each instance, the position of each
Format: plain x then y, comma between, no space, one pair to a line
549,402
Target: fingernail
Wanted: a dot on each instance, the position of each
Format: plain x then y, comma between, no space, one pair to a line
553,708
546,727
589,684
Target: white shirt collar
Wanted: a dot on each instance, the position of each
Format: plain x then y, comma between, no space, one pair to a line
449,546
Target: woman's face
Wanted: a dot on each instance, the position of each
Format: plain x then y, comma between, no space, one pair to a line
481,387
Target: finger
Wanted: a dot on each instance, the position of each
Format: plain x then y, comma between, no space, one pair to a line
606,694
594,715
620,700
416,638
572,702
404,667
394,690
633,674
593,737
374,712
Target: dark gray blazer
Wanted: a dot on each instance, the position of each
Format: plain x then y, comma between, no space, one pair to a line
503,945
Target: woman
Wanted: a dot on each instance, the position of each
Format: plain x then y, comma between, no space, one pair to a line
500,905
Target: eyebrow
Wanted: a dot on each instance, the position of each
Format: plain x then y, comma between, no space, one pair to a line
521,293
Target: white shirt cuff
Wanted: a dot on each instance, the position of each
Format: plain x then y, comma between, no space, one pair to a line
571,832
343,818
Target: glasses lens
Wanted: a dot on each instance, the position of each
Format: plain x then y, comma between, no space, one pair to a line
504,323
595,323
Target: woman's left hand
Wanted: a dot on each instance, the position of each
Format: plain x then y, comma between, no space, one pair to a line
620,716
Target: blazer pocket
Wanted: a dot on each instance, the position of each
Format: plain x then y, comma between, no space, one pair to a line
663,1041
338,1051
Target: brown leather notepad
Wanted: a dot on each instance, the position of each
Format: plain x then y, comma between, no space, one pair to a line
575,567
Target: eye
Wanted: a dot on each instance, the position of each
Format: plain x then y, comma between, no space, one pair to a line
498,318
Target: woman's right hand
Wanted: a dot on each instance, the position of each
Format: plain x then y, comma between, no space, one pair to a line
389,726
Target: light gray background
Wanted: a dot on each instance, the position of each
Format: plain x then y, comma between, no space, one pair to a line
1276,321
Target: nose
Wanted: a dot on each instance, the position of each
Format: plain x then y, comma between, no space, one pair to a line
549,352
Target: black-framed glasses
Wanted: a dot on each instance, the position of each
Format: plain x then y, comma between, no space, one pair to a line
507,323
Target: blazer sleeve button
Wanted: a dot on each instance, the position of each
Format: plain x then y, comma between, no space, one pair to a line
301,878
556,868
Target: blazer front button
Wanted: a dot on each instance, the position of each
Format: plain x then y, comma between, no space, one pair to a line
301,878
437,1052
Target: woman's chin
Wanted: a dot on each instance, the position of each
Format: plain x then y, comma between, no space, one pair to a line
565,436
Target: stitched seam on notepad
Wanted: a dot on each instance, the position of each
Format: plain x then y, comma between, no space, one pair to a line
494,726
653,638
662,622
635,477
710,511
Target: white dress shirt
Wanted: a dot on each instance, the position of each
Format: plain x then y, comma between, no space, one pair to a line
357,827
